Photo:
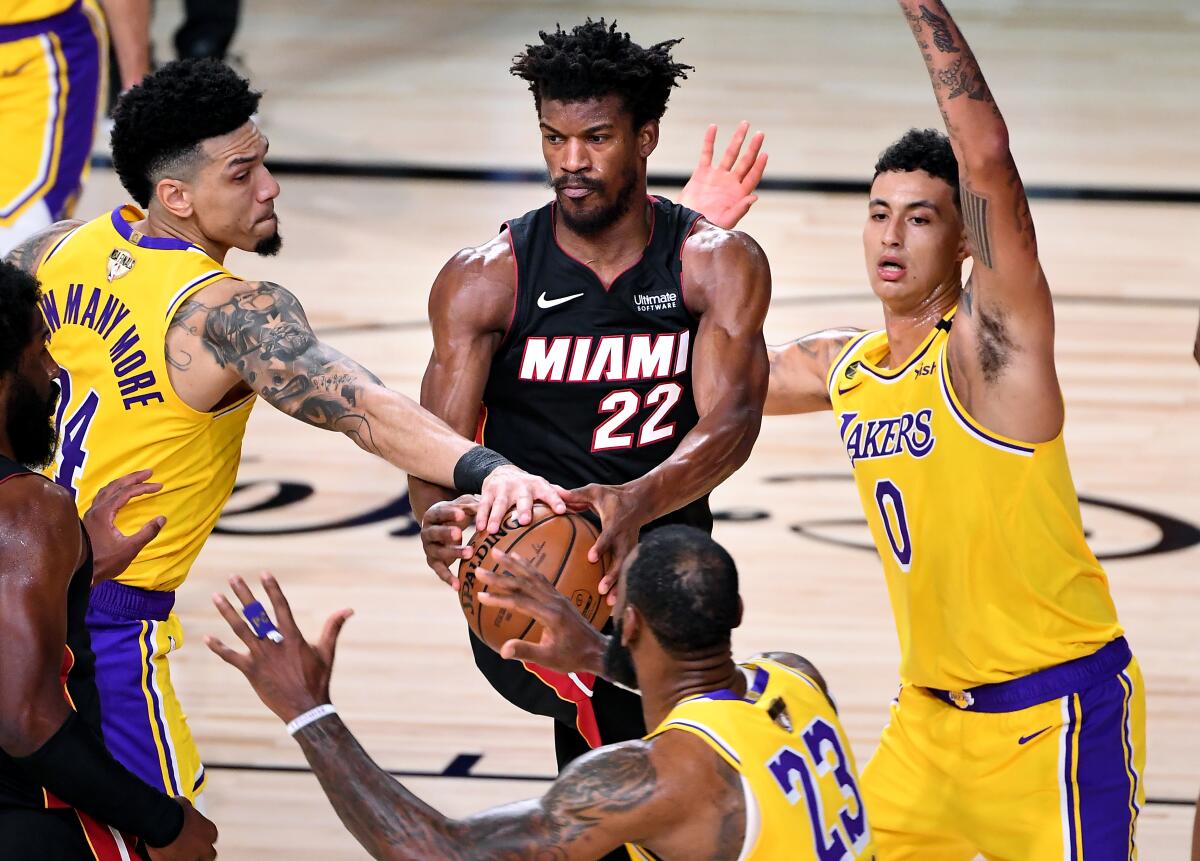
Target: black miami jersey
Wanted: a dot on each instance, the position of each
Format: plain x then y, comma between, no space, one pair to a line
593,382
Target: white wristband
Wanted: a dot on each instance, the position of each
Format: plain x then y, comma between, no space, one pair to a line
311,716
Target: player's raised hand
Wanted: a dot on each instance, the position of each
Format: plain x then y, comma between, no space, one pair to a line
289,674
724,194
569,644
509,486
621,520
194,842
442,535
112,550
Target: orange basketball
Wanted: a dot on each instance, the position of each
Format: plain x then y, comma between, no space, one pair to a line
556,546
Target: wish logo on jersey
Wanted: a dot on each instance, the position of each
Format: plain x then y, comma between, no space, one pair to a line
875,438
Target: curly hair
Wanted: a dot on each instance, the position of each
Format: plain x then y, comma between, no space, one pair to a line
922,149
593,60
18,299
160,123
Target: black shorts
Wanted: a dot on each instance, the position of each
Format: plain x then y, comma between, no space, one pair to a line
58,835
588,711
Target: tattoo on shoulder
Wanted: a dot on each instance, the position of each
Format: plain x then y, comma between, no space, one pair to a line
29,253
975,217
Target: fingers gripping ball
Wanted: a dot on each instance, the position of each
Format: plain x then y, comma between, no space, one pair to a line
556,546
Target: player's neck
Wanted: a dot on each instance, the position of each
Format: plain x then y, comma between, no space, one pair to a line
908,325
676,679
612,250
164,225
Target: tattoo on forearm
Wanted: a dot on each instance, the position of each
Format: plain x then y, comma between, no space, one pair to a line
390,822
975,217
943,39
263,334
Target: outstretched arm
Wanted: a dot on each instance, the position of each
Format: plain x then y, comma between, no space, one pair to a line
799,370
259,332
601,800
1002,344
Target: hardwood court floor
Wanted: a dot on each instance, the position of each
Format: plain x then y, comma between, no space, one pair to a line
1095,93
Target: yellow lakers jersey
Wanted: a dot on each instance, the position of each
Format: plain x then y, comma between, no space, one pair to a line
980,535
798,773
108,296
20,11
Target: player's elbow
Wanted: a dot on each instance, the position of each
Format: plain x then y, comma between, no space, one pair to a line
987,154
25,727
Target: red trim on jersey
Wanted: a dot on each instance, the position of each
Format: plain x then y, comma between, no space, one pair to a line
104,840
512,315
566,689
480,424
19,474
554,233
682,290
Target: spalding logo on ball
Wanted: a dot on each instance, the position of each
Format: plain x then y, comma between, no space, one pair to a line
554,545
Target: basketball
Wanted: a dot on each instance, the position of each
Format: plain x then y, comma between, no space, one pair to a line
556,546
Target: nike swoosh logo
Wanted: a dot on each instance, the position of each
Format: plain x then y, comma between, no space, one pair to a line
1026,738
842,391
12,72
543,302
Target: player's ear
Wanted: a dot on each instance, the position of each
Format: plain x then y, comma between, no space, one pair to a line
175,196
741,608
631,625
964,246
647,137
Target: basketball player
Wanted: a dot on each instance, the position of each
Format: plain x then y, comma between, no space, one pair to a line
163,351
746,761
1019,729
62,795
608,339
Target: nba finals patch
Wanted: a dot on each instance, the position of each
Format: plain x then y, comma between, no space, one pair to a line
119,264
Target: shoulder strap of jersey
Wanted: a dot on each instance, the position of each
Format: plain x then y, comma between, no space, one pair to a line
528,236
687,723
845,355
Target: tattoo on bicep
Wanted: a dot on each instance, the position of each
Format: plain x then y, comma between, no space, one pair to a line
731,832
263,334
968,296
975,217
943,39
184,320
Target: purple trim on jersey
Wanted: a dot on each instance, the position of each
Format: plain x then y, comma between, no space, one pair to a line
58,245
1043,686
1106,782
81,50
892,375
761,677
1069,779
157,243
971,426
26,29
837,369
156,702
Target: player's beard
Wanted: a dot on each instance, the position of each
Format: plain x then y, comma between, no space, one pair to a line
270,246
29,423
594,221
618,662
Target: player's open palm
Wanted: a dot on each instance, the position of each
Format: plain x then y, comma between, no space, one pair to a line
724,193
568,642
289,674
195,841
113,550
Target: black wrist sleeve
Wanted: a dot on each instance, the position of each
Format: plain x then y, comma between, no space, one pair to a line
76,767
474,466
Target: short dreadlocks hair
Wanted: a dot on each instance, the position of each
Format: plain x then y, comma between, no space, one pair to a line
159,124
18,300
922,149
592,61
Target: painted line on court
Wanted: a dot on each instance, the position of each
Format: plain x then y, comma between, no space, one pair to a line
452,173
460,769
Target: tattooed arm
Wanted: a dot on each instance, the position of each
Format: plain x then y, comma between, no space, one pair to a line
244,336
29,253
599,801
799,370
1002,344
